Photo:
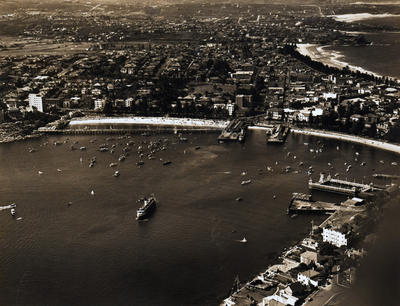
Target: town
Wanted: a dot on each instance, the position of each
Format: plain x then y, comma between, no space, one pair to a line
226,61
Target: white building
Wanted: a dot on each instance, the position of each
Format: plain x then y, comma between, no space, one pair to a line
282,296
308,278
99,104
35,101
334,237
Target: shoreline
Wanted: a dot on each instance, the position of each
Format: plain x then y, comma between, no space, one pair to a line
395,148
331,58
348,18
153,121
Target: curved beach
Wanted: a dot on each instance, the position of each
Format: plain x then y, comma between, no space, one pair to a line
351,138
156,121
328,57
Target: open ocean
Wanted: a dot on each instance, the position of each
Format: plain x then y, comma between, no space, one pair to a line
382,57
94,252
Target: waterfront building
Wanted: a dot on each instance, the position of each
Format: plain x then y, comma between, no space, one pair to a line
99,104
281,297
308,278
310,243
35,101
309,257
334,237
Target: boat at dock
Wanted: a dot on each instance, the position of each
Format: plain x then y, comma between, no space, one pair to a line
146,209
245,182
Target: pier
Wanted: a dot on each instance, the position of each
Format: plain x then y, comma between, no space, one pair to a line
386,176
277,134
235,131
302,203
329,184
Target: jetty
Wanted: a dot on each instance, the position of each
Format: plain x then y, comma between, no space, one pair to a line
234,131
345,187
386,176
303,203
277,133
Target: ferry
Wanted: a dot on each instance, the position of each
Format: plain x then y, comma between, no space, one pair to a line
148,206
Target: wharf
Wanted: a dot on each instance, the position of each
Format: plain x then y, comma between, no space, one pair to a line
388,176
329,184
302,204
277,134
235,131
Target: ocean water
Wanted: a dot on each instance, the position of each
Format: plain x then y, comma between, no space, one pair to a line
94,252
383,56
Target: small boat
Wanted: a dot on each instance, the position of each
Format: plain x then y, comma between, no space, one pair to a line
82,148
293,216
113,165
197,148
103,149
92,192
91,164
244,240
116,173
393,163
32,150
167,163
13,212
140,163
245,182
243,173
59,170
238,199
121,158
40,172
381,161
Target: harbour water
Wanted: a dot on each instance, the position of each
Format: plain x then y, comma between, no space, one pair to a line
72,247
382,57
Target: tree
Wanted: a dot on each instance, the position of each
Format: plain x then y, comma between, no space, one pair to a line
108,108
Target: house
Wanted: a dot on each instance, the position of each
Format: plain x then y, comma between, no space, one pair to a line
309,257
275,113
308,278
284,296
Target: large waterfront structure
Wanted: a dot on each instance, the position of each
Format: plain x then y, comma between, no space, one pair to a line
35,101
334,237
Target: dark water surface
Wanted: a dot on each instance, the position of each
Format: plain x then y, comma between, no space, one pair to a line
383,56
94,252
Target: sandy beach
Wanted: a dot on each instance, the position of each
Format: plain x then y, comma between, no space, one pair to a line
156,121
360,16
328,57
351,138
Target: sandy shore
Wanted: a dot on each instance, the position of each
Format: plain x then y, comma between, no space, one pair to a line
156,121
356,139
328,57
360,16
